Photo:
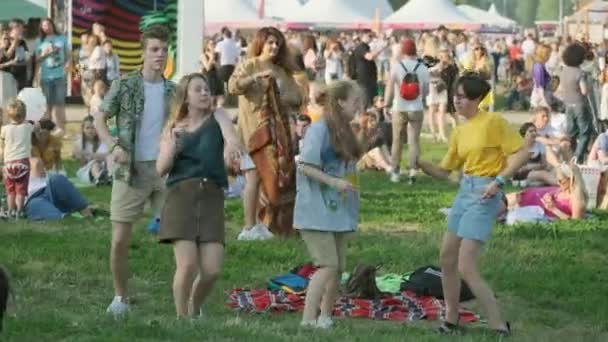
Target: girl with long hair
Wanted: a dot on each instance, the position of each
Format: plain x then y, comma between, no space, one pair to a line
268,97
327,186
92,155
192,219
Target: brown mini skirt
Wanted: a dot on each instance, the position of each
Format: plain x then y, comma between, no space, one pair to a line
193,211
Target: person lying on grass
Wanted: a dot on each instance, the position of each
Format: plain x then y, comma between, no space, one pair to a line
488,151
566,201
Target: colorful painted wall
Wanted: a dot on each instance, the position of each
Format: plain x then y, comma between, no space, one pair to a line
124,20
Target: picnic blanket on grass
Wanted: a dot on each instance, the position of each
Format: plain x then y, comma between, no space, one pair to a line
401,308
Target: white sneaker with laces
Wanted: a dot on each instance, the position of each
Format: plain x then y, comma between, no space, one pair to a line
117,307
325,322
394,177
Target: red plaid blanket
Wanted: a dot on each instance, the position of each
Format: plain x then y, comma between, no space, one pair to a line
404,307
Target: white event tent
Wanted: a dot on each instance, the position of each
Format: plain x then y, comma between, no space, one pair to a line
489,18
277,9
334,13
428,14
231,13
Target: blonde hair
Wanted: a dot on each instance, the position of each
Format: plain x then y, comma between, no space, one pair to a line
341,135
542,53
15,110
179,105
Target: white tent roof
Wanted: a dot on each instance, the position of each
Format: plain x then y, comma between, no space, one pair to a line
429,12
485,17
597,12
369,7
329,11
229,11
498,16
278,8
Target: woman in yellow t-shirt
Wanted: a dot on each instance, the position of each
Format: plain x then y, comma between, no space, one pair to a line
488,152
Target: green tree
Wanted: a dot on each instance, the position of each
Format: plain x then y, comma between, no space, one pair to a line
525,12
549,9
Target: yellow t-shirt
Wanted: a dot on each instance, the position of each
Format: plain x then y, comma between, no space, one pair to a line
481,145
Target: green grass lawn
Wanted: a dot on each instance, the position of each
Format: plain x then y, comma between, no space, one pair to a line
551,280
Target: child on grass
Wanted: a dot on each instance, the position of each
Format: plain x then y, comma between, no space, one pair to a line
92,155
327,186
15,153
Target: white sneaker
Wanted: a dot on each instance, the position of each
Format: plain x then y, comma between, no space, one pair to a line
308,324
117,307
324,322
394,177
245,235
264,232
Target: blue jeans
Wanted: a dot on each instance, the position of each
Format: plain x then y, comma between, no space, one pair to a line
579,123
58,199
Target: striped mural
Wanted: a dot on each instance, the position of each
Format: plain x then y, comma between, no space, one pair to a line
123,20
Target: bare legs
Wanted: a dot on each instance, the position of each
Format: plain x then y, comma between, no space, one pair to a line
460,256
119,257
250,197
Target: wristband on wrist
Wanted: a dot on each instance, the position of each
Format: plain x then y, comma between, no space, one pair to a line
500,180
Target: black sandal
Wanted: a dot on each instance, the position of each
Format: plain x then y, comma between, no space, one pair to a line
504,332
447,328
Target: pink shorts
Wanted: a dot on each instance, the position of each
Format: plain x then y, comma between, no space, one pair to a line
17,177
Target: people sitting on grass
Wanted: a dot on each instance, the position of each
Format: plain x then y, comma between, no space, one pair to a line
92,155
378,155
47,147
551,131
599,149
52,196
566,201
519,95
15,152
537,161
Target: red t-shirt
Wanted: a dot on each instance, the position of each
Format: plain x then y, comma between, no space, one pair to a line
515,52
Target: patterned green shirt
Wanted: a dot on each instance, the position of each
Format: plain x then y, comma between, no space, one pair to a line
125,102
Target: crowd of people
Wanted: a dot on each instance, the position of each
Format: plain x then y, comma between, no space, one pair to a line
313,110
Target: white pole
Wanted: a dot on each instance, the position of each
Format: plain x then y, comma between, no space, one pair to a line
561,17
190,32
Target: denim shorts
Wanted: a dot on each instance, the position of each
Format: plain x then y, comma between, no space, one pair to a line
472,217
54,91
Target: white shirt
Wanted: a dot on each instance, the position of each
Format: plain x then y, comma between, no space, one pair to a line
229,52
151,124
528,47
397,75
17,141
97,59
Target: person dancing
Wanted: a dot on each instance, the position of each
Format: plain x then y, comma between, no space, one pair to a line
192,218
488,151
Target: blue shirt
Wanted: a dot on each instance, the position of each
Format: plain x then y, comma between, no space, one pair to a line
319,206
52,67
602,142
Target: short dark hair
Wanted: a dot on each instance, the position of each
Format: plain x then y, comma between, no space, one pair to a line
574,55
159,32
524,128
473,85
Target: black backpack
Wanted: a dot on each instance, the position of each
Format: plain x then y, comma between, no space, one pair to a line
426,281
